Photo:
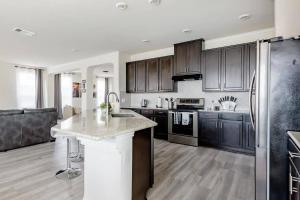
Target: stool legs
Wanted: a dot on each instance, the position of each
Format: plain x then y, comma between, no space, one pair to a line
78,157
69,172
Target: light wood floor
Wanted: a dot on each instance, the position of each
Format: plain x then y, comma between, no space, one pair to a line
181,173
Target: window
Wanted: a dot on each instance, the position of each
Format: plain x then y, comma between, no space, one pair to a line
66,90
26,88
100,85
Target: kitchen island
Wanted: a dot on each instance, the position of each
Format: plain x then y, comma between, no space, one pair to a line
118,153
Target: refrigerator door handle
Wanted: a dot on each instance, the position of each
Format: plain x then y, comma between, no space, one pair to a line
251,100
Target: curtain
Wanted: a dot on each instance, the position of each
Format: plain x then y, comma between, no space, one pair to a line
39,88
57,95
26,88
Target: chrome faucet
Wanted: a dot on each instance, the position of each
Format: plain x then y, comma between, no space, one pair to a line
107,102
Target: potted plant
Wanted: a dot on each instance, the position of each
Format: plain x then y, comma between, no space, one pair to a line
103,107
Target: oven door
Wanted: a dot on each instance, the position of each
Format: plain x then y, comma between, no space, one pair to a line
175,125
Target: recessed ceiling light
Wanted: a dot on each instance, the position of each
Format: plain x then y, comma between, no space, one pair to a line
145,41
24,32
154,2
187,30
245,17
121,5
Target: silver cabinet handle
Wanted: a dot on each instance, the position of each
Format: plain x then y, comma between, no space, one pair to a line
216,125
250,100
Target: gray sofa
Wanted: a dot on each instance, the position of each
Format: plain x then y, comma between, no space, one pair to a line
19,128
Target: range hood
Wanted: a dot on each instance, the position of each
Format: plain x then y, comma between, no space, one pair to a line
187,77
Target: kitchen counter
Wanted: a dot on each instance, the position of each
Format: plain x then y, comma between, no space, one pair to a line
117,155
225,111
295,136
91,125
221,111
144,108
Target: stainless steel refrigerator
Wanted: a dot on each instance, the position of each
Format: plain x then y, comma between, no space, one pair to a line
275,109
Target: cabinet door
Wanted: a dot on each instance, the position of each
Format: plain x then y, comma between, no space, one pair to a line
249,137
152,75
180,58
130,77
141,76
211,67
231,133
166,84
209,131
250,64
161,130
193,56
233,70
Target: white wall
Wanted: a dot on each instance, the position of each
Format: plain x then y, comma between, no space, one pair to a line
287,17
194,88
8,86
86,67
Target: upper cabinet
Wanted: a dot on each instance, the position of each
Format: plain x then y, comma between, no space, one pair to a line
229,68
141,76
211,69
250,63
152,75
166,84
233,69
187,57
130,77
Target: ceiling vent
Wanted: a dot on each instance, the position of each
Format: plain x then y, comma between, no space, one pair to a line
24,32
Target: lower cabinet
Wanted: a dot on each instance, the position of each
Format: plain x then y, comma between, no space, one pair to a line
228,131
231,134
161,118
209,131
249,133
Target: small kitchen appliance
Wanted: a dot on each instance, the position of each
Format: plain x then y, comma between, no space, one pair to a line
159,102
144,103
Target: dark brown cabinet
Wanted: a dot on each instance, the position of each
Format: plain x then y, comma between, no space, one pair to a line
231,133
141,76
130,77
249,136
209,131
166,84
228,131
229,68
187,57
152,75
211,68
250,63
233,68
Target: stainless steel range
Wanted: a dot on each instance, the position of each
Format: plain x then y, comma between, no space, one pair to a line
183,121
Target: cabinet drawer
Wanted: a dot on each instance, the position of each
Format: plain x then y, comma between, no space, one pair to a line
208,115
161,112
231,116
147,112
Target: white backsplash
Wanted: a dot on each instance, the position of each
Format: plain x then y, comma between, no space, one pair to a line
190,89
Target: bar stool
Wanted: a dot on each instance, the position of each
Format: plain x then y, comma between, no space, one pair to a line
69,172
76,156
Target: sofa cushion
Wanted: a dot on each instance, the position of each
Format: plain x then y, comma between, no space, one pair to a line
11,112
40,110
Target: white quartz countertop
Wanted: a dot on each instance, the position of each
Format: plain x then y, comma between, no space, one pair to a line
226,111
145,108
92,125
295,136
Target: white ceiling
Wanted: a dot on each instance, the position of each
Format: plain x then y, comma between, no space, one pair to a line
95,26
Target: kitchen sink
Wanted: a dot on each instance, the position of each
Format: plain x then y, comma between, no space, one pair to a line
122,115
